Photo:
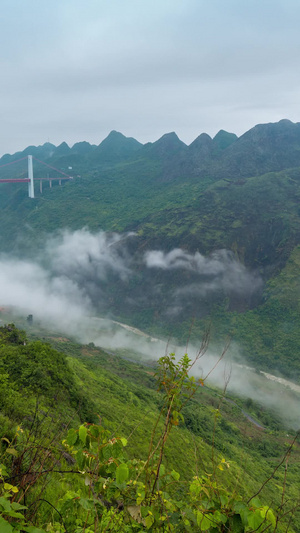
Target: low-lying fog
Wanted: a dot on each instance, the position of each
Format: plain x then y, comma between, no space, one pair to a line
64,284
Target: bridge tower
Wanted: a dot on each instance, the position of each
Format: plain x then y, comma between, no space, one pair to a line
30,176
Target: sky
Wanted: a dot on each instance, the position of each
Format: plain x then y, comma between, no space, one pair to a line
74,70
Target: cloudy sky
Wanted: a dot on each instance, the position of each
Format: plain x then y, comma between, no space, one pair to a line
73,70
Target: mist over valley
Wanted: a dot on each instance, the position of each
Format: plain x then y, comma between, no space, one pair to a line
180,247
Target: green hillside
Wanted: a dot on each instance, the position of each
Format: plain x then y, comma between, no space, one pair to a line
46,394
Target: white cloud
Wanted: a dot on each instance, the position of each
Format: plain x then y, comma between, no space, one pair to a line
83,255
30,288
78,270
219,271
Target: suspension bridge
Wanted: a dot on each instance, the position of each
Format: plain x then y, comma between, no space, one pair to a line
31,179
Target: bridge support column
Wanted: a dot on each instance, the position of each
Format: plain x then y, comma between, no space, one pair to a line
41,186
30,176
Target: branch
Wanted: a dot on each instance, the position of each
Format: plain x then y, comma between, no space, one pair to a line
276,468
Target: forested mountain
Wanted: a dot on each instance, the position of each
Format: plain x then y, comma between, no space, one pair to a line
228,201
168,238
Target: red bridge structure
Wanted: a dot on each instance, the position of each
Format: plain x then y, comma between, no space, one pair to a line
30,179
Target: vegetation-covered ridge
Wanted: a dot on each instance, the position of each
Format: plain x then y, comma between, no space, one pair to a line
61,475
239,194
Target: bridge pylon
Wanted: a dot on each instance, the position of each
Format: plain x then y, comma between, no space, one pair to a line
30,176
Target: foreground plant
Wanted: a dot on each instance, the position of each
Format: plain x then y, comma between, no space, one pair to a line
118,494
136,495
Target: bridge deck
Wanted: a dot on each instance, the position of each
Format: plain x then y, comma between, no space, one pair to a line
15,180
26,180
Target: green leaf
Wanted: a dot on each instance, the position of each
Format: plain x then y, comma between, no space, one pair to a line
3,471
219,518
204,521
17,506
5,504
175,475
124,441
82,434
255,502
14,514
11,488
106,451
87,504
5,527
267,513
72,437
122,474
12,451
80,458
149,521
254,519
223,499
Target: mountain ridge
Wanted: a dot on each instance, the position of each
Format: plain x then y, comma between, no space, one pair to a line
238,194
221,156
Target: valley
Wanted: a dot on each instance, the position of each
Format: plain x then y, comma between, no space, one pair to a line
279,395
152,250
